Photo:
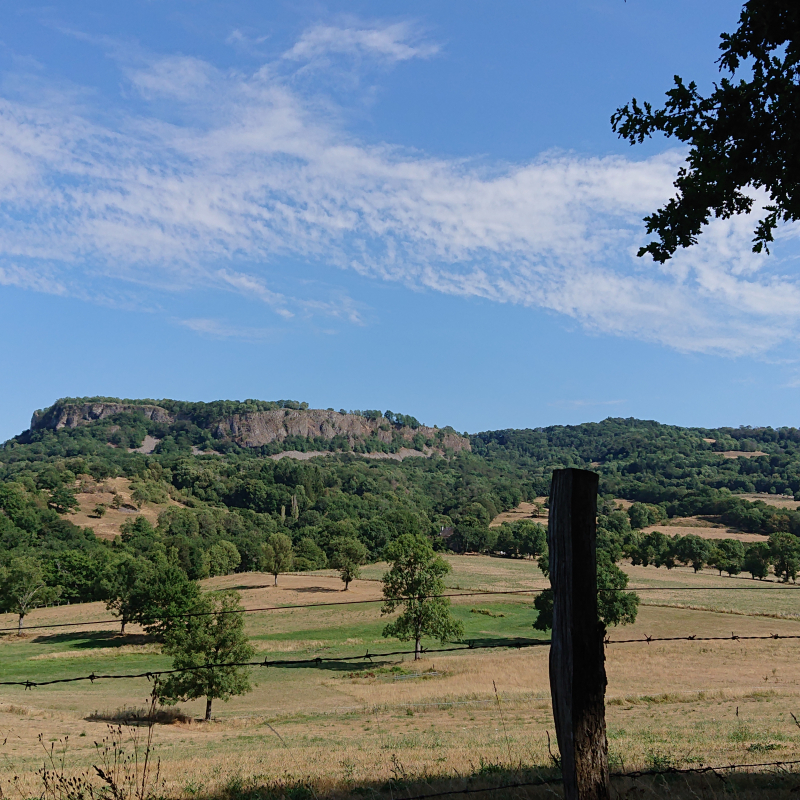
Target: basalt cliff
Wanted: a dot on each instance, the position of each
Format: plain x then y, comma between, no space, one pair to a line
255,428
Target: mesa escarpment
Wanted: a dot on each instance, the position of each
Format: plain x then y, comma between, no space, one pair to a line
263,427
69,415
257,428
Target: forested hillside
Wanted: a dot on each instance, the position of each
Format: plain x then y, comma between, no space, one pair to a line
222,500
686,470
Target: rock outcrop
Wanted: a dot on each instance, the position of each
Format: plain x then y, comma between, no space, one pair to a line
71,416
263,427
257,428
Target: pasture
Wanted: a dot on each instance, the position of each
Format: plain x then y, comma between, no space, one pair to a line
346,723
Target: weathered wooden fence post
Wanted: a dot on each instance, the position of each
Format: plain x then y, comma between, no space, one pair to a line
577,660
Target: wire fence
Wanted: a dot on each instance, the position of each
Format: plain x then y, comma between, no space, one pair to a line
161,618
283,662
475,593
634,774
318,661
322,661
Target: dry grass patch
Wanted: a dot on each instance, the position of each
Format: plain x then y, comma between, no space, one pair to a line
777,500
681,587
705,532
533,511
298,645
669,703
91,493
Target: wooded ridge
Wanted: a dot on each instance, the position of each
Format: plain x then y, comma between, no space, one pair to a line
206,497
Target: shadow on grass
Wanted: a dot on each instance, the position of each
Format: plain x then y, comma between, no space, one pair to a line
318,589
497,781
244,587
382,660
334,665
301,589
140,717
504,641
95,639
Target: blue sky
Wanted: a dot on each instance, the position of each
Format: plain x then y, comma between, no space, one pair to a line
409,206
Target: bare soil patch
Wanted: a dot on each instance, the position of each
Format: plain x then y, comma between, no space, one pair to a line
107,526
777,500
147,447
534,511
706,533
742,453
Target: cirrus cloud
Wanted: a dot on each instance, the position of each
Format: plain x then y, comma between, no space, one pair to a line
258,174
393,43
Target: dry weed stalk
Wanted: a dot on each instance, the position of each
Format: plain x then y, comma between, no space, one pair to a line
129,776
126,769
503,721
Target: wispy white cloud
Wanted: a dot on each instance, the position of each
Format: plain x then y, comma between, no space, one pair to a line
23,278
397,42
216,329
249,285
258,176
240,38
173,76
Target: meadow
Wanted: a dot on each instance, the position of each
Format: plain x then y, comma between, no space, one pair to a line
341,724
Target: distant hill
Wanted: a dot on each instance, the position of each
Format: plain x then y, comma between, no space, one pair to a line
185,480
271,426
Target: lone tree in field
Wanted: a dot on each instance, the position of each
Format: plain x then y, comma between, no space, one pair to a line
785,554
694,551
348,555
23,587
413,582
757,560
202,644
615,606
151,592
278,555
121,583
727,555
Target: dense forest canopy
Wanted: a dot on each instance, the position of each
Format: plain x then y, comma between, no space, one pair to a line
651,462
220,502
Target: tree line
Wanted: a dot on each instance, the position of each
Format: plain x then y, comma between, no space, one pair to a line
647,461
621,532
145,577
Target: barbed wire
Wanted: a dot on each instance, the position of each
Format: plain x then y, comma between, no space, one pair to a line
700,770
732,638
316,661
770,587
319,660
476,593
634,774
188,614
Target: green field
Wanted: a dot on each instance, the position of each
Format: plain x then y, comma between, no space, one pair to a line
342,722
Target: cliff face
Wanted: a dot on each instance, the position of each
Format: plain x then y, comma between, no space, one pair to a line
253,429
263,427
72,416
